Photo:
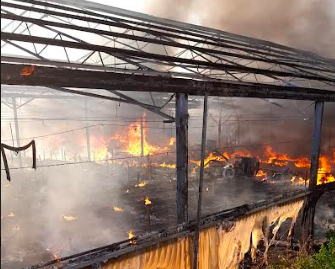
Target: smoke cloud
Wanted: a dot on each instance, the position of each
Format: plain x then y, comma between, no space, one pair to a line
307,25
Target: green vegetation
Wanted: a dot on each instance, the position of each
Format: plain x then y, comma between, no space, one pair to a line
323,259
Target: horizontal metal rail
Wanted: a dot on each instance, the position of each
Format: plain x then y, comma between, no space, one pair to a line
64,77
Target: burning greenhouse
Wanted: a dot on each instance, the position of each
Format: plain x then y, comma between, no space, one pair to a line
133,141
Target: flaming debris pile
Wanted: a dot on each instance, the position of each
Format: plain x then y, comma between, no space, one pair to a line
270,165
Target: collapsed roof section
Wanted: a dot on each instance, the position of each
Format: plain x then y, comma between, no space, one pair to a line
90,37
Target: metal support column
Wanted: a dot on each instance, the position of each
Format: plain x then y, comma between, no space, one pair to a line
201,180
182,156
142,148
318,116
307,225
17,130
142,139
88,142
219,144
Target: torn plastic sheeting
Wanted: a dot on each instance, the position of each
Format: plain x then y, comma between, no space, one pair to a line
218,248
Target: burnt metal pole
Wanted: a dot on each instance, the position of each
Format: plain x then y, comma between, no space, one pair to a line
17,130
88,142
182,156
142,149
307,229
201,181
220,130
142,139
318,116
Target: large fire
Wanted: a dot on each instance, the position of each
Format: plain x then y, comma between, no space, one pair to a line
135,143
282,159
325,173
132,140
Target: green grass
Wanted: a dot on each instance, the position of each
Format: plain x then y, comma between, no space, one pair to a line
323,259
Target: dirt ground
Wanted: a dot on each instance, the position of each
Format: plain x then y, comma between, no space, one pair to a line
38,230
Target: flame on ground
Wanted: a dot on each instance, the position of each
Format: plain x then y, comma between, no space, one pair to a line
296,180
117,209
172,141
147,201
141,184
325,174
54,255
69,217
131,236
212,157
261,173
165,165
11,215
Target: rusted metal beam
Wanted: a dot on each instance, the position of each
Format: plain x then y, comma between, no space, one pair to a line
316,143
207,35
152,56
201,180
153,40
182,156
64,77
307,229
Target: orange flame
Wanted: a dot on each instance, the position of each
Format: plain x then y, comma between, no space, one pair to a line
276,158
117,209
172,141
324,172
261,173
141,184
27,71
166,165
299,181
131,236
210,158
54,256
147,201
132,141
302,163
